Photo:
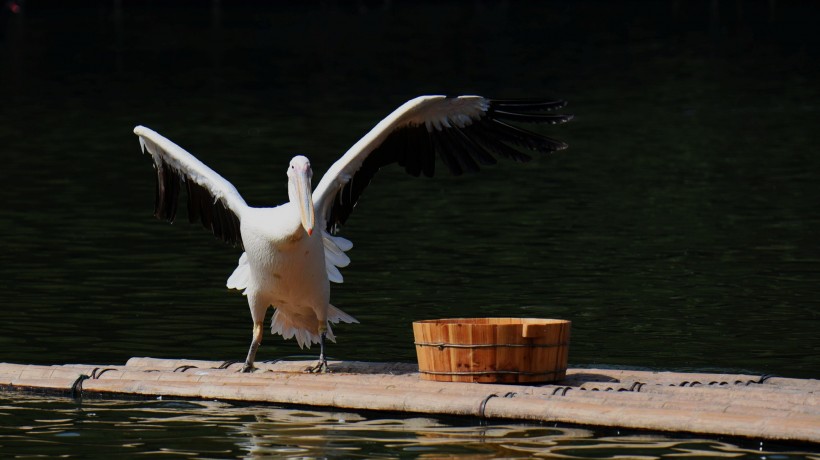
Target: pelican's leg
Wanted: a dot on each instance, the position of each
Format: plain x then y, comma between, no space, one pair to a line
255,342
321,366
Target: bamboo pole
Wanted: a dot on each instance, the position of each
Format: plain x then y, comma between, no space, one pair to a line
770,408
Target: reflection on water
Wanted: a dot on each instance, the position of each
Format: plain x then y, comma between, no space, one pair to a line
33,425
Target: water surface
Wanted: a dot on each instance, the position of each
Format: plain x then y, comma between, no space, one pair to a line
192,429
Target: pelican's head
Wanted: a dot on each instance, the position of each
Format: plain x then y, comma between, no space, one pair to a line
299,190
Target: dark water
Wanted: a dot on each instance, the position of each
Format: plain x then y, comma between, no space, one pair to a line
182,429
679,231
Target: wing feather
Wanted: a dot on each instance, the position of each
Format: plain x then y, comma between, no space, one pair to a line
466,132
212,200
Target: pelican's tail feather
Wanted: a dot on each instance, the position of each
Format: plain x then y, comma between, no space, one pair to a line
241,275
283,324
334,315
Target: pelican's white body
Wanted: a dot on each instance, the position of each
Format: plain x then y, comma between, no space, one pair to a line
283,266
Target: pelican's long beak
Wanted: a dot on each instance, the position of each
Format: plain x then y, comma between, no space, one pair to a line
305,197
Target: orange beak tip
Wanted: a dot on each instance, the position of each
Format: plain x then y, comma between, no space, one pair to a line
310,232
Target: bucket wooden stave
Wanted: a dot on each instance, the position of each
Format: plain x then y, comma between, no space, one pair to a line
492,350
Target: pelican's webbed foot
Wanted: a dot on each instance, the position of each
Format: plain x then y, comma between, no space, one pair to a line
321,366
248,368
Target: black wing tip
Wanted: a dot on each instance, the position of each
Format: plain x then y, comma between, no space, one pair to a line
528,104
167,192
560,145
523,117
213,215
529,110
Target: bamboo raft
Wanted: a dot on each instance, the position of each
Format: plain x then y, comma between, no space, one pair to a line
763,407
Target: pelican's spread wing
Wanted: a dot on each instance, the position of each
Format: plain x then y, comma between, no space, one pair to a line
212,200
465,132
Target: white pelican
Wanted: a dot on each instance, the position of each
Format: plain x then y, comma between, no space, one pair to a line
290,254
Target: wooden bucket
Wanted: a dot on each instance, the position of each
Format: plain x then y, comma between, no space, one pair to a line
492,350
